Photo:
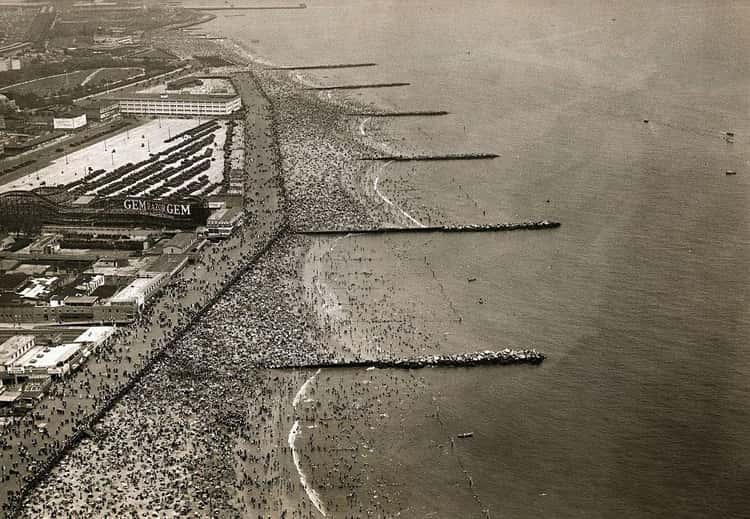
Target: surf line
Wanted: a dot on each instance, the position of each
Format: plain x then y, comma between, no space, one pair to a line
312,494
383,197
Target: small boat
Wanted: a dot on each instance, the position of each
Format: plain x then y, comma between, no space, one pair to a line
730,172
465,435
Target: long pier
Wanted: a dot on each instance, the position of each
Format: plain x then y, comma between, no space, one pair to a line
459,360
357,87
323,67
413,113
500,227
413,158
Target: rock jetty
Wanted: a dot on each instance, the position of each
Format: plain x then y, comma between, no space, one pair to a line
458,360
424,158
322,67
498,227
356,87
412,113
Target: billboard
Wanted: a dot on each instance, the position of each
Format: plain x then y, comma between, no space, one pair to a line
29,210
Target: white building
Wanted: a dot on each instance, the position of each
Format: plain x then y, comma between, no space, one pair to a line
46,360
9,64
71,121
222,222
139,291
12,349
179,104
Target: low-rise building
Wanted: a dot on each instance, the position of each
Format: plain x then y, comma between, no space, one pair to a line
94,337
180,243
138,291
46,360
223,222
46,244
100,109
13,349
9,63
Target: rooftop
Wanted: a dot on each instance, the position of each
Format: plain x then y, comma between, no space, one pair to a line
225,214
30,269
70,114
47,357
166,263
96,334
181,240
12,281
8,264
197,85
97,102
135,290
81,300
8,397
173,97
9,348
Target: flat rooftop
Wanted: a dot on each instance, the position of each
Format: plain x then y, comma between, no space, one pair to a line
173,96
47,356
95,334
212,86
9,348
135,290
166,263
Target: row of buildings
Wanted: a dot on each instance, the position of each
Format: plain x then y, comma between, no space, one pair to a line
67,276
108,108
188,97
29,363
22,356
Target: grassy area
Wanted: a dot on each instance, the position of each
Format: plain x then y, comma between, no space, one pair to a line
111,75
60,84
51,85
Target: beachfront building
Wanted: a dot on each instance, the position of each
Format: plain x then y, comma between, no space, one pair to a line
222,222
47,360
194,105
140,290
13,349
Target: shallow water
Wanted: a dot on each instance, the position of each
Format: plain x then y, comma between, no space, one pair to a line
640,299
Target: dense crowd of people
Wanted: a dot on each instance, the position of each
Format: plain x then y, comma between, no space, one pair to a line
168,445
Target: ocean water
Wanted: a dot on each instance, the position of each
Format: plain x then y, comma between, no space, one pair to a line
640,299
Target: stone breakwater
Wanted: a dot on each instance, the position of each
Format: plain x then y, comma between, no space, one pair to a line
412,113
358,86
428,158
323,67
458,360
499,227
